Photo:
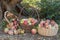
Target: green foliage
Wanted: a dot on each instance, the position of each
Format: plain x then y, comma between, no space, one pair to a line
3,25
28,3
49,9
30,7
52,10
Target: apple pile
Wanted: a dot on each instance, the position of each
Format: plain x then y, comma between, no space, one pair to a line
29,21
12,28
48,23
12,32
33,21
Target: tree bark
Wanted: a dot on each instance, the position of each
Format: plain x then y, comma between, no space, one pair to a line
0,12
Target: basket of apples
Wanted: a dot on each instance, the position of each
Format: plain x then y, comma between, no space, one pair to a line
13,25
28,24
48,28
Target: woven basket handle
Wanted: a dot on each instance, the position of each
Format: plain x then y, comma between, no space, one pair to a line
32,10
37,14
5,16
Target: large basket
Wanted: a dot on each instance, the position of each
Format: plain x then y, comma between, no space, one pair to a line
47,32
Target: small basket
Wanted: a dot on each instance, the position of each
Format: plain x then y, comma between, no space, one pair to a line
47,32
8,15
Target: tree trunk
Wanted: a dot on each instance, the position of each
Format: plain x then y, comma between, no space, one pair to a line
0,13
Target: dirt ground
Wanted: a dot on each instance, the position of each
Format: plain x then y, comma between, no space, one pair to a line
27,36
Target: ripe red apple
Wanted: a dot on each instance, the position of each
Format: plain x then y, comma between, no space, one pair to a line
52,22
33,31
46,24
31,19
34,21
15,22
10,32
13,27
42,23
47,21
25,22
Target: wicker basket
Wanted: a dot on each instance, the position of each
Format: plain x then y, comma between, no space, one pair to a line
8,15
27,28
47,32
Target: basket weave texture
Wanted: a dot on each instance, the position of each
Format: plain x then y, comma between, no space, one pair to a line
47,32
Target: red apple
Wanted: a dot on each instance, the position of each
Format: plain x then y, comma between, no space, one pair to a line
33,31
52,22
15,22
42,23
16,26
10,32
13,27
46,24
33,23
25,22
31,19
47,21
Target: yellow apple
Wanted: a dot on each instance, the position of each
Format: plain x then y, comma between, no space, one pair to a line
6,30
22,31
15,32
19,30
